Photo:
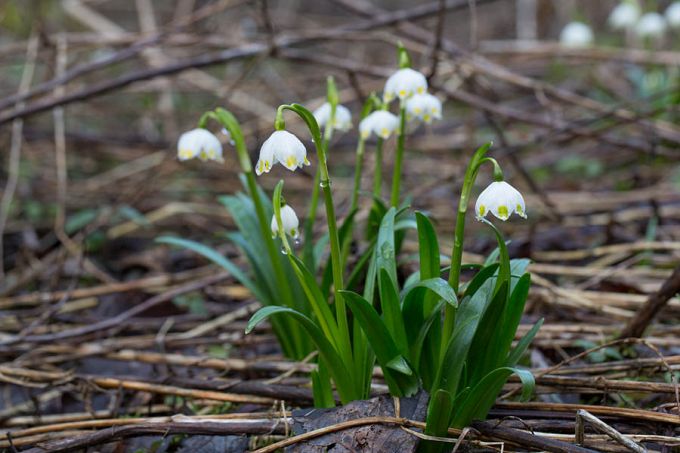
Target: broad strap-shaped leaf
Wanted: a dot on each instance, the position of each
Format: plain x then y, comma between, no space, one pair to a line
399,375
336,367
438,415
385,251
316,299
391,310
483,395
451,367
512,316
522,345
428,248
216,258
480,278
485,354
321,386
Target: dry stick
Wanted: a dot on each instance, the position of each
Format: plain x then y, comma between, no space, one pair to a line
583,415
654,304
244,51
199,427
494,430
15,147
121,319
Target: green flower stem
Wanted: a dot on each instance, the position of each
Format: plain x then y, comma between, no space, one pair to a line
228,120
308,252
358,169
457,252
325,184
377,171
396,175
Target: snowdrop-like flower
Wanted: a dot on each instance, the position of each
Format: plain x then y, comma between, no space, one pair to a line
381,123
651,25
199,143
289,221
576,34
283,147
673,15
424,107
624,16
403,84
501,199
342,120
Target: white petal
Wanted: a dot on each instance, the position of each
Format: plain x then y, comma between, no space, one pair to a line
501,199
404,83
366,126
576,34
624,15
651,25
322,114
673,15
384,123
289,151
266,160
199,143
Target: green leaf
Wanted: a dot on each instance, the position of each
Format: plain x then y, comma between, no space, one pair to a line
317,301
398,374
484,354
391,309
438,416
216,258
522,345
512,316
327,352
321,387
428,248
483,395
385,252
479,279
450,372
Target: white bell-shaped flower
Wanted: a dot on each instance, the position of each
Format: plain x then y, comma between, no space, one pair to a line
342,120
624,16
651,25
289,221
199,143
673,15
424,107
381,123
282,147
501,199
576,34
403,84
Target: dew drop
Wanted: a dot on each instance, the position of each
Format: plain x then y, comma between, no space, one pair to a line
324,184
297,241
284,251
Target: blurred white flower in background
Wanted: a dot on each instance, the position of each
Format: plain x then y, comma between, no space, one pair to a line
424,107
289,222
199,143
673,15
651,25
282,147
381,123
403,84
576,34
501,199
624,16
343,117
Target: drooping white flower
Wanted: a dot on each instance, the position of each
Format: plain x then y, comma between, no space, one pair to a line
501,199
424,107
651,25
342,120
199,143
381,123
282,147
624,16
673,15
289,221
403,84
576,34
